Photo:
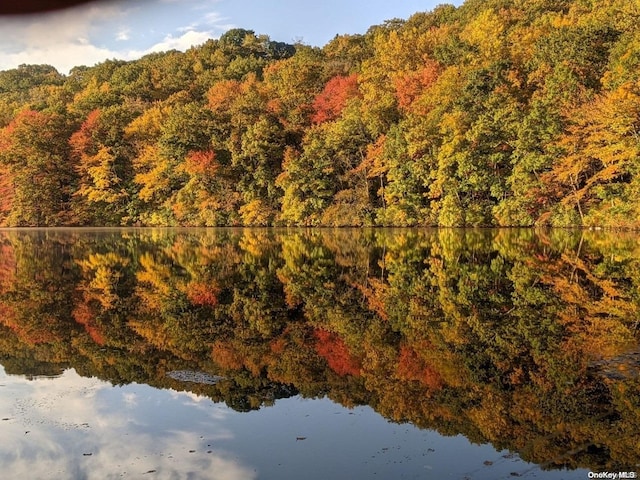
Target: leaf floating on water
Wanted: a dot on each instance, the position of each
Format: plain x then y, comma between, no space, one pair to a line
194,377
300,438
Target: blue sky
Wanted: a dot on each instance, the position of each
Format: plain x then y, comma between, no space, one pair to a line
129,29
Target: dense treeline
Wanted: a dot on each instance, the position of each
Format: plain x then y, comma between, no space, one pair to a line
499,112
525,340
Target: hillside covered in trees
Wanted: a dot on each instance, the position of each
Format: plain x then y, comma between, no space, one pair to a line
495,113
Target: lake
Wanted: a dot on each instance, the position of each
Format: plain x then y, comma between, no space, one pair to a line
342,354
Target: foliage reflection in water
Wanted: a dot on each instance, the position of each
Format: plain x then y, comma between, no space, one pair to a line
519,339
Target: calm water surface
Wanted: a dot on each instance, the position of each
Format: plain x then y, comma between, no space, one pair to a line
268,354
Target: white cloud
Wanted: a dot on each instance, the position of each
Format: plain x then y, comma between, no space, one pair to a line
63,56
67,25
61,39
91,34
211,20
123,34
183,42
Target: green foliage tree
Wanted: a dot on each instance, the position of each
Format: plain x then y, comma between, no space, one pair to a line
34,150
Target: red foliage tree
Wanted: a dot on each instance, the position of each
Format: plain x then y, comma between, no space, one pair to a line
330,102
410,85
81,141
201,163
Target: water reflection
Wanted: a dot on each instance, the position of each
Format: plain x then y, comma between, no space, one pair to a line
78,427
525,340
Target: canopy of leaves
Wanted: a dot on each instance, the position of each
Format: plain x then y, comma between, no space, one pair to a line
500,112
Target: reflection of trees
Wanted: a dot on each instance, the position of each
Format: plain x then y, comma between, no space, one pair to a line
517,338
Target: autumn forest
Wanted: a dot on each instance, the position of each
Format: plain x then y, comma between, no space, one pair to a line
495,113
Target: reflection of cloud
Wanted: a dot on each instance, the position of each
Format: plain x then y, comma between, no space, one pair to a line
188,397
130,399
74,427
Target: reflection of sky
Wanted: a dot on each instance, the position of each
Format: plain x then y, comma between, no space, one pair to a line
74,427
83,428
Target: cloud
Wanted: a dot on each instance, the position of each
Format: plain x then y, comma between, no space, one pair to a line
62,39
91,34
210,21
123,34
182,42
67,25
62,56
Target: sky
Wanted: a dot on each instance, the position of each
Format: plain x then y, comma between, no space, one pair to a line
127,30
